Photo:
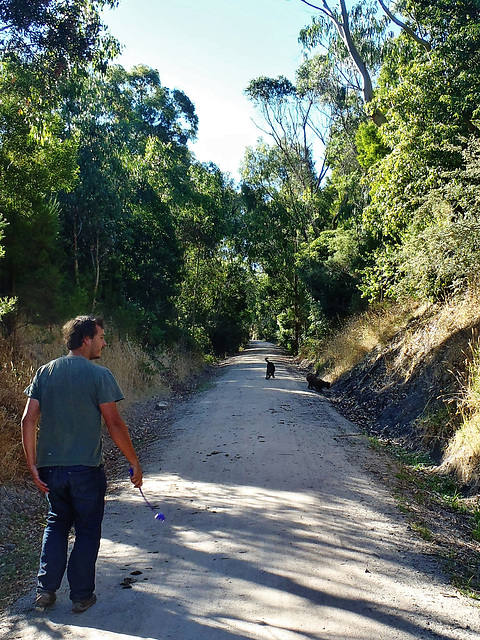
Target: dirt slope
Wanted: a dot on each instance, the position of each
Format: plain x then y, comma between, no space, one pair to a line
275,528
417,373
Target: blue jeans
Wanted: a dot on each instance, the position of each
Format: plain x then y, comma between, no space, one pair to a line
76,498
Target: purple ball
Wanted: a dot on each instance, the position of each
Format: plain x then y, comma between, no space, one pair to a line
160,516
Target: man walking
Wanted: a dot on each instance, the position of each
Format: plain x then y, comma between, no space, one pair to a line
64,455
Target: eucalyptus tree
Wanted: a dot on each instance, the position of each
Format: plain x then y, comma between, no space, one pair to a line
275,220
314,120
36,162
204,222
356,40
430,96
294,120
56,36
43,44
350,43
424,84
132,156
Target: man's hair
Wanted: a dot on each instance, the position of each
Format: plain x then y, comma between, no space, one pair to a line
74,331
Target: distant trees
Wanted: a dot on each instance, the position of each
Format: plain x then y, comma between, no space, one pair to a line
55,36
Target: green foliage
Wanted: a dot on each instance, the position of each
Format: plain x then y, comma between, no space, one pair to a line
286,326
270,89
118,226
269,303
56,36
439,253
368,30
229,326
370,146
430,99
443,259
327,266
150,262
35,163
7,305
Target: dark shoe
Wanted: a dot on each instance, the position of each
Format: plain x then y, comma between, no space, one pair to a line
79,606
45,599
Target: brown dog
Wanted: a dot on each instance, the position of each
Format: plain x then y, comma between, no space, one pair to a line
316,383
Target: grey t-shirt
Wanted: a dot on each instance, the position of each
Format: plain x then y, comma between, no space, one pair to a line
70,390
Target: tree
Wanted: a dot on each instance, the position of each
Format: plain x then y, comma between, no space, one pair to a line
35,164
133,134
272,224
295,124
7,305
55,35
147,269
353,43
204,224
229,324
431,102
430,97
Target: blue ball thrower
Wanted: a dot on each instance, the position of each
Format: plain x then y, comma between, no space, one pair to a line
158,516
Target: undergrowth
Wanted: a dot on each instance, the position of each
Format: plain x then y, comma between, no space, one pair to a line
339,352
462,455
407,336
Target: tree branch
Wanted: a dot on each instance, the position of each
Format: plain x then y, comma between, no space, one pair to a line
326,10
424,43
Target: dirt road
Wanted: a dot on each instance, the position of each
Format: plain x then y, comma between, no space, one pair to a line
274,531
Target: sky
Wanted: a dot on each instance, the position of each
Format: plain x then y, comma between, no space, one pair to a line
211,49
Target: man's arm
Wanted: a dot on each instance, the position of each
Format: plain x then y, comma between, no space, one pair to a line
119,433
30,419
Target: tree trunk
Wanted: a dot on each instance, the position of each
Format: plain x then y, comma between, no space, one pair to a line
75,249
96,258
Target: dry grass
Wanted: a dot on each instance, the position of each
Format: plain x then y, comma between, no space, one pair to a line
15,373
413,332
462,456
409,338
337,354
434,327
133,370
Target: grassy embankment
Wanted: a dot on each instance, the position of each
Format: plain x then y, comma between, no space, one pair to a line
417,333
440,496
22,508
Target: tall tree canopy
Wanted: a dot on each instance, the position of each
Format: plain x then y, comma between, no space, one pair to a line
55,34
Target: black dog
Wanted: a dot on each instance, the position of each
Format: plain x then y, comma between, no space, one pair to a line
316,383
270,370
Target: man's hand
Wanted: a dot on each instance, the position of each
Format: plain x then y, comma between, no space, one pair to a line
136,475
37,480
30,419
